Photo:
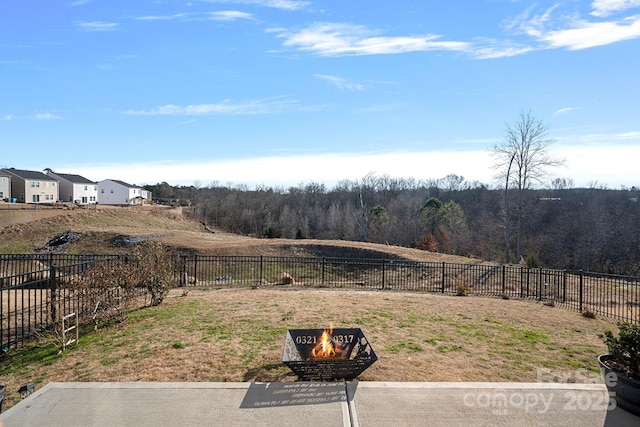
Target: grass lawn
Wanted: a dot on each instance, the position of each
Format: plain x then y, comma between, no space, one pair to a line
238,335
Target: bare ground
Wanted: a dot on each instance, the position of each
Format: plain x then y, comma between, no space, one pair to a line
99,227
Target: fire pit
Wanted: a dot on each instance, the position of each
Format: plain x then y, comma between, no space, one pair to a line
327,354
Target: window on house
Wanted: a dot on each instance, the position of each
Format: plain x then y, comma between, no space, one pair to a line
35,198
35,184
111,191
102,191
86,187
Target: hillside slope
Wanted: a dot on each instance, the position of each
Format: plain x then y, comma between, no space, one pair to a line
106,229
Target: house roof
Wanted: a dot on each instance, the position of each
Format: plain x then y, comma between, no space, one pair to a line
31,175
77,179
124,184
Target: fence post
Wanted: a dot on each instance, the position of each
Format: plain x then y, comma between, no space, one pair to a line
581,283
323,271
183,275
261,267
564,285
443,269
504,279
539,283
195,267
384,261
53,286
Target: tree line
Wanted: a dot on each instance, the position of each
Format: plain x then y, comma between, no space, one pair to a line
594,229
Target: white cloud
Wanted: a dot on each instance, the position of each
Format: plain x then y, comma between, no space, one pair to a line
163,17
229,15
98,26
47,116
291,170
628,135
223,15
552,29
604,8
79,3
585,35
613,165
563,110
336,39
497,49
261,106
339,82
534,26
601,139
277,4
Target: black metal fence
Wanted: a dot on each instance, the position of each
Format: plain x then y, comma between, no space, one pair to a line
38,290
613,297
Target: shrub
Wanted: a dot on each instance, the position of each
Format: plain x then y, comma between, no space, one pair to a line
625,348
272,233
108,290
533,261
428,243
463,288
151,267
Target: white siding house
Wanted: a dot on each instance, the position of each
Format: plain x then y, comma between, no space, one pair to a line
32,186
5,187
114,192
76,188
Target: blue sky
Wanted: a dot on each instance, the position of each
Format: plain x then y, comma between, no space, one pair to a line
284,92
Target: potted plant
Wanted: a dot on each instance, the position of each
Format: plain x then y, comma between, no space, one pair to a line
621,367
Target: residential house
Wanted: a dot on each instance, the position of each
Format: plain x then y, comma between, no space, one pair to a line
5,187
114,192
75,188
32,186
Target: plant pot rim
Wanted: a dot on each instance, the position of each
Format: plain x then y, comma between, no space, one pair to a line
603,358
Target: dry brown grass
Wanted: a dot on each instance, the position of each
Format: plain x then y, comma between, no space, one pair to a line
238,335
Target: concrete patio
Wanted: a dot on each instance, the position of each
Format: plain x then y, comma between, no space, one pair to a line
319,404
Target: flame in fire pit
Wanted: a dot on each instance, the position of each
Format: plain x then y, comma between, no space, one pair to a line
325,348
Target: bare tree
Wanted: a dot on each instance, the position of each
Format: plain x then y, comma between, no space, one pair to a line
561,183
522,160
451,182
